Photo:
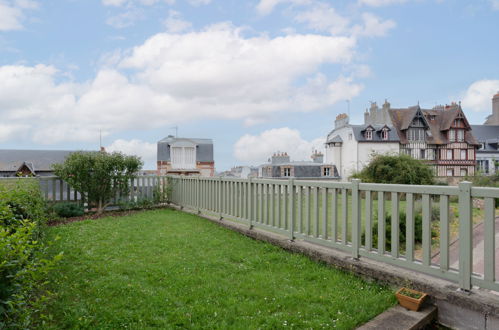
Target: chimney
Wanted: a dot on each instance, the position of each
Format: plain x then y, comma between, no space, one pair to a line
495,106
317,157
341,120
280,158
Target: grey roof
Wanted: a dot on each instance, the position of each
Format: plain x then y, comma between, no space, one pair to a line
204,148
359,135
488,135
335,139
36,160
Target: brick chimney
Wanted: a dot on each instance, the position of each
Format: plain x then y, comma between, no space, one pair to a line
317,157
280,158
341,120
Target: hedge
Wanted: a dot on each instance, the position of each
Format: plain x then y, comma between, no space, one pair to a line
23,262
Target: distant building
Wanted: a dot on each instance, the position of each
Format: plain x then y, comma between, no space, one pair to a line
378,116
487,155
281,166
185,156
440,136
242,172
493,119
30,162
350,147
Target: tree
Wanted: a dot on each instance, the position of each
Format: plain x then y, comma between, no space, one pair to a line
399,169
98,176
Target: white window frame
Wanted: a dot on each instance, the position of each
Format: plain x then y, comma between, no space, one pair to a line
464,153
460,135
452,135
450,154
369,134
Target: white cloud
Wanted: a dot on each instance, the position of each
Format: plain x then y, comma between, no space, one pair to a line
323,17
373,26
216,73
479,94
12,15
199,2
494,4
256,149
174,22
380,3
265,7
134,147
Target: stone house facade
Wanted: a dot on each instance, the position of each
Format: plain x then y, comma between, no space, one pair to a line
185,156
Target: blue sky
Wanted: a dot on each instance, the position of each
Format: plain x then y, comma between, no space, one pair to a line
256,76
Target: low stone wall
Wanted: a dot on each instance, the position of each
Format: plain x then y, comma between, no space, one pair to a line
478,309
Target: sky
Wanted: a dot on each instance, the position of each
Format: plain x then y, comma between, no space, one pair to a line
256,76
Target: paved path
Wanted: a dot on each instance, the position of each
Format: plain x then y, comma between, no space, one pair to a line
478,250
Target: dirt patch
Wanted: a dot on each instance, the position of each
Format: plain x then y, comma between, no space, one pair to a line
95,216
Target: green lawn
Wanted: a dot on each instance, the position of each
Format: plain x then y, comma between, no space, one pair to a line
168,269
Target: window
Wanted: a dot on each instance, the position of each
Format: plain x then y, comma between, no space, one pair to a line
483,166
463,154
286,171
422,154
369,135
452,135
460,135
464,172
449,154
416,134
326,171
350,136
450,172
183,157
384,134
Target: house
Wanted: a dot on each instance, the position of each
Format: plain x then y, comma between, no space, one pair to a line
487,154
185,156
30,162
493,119
350,147
441,136
281,166
242,172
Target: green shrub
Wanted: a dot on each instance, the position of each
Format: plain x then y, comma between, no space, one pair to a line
23,264
67,210
418,230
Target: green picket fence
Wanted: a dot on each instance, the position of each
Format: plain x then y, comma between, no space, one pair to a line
345,216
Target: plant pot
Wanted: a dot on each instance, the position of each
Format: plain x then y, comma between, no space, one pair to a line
411,303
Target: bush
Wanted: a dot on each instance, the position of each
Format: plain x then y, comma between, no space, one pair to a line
99,176
23,265
67,210
396,169
418,230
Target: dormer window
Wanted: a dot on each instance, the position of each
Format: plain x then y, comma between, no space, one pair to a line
369,135
384,134
452,135
460,135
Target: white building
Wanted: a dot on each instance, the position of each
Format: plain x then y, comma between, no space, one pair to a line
350,147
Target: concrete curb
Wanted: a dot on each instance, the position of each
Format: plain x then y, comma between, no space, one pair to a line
479,302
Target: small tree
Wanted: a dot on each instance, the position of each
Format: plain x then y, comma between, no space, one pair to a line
399,169
99,176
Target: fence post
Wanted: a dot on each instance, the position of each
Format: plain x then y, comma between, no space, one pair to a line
355,218
250,202
465,236
198,195
291,190
220,217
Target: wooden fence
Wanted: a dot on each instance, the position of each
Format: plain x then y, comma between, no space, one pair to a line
437,238
56,190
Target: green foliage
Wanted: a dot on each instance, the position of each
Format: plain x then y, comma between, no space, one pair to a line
67,210
396,169
418,230
23,265
99,176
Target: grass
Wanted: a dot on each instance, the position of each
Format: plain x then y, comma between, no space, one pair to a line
168,269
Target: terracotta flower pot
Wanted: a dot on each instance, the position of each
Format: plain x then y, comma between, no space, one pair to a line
410,299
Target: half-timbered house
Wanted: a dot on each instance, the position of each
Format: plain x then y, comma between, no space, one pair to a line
441,136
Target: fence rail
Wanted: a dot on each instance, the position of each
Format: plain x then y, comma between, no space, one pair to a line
56,190
416,230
